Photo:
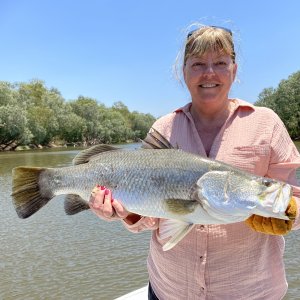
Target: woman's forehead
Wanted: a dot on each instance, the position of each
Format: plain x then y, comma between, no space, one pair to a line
211,54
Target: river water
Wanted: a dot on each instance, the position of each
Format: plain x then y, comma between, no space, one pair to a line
54,256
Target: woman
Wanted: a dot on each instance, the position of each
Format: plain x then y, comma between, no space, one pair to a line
236,261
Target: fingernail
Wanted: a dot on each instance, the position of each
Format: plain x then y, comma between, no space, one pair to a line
100,187
106,192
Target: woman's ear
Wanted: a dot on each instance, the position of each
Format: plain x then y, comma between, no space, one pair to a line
235,66
183,72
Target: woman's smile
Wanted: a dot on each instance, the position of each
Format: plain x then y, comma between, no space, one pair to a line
208,85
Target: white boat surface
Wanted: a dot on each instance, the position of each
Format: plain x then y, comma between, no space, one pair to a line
140,294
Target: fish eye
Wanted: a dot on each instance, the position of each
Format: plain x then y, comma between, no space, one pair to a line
266,182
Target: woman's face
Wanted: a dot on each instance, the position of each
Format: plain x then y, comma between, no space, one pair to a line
209,77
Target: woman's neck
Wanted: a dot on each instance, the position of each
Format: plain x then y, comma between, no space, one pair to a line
209,122
210,117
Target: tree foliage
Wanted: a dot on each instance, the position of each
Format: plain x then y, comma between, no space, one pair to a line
31,113
13,127
285,101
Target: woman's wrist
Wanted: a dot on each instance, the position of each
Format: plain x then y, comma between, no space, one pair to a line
132,219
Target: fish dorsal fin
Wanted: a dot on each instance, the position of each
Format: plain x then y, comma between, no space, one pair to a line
75,204
86,155
155,140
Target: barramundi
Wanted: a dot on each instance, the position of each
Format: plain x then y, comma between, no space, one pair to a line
184,188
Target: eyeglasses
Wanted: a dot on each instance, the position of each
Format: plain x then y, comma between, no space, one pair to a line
218,27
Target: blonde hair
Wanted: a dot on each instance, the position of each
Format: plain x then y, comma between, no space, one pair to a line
209,38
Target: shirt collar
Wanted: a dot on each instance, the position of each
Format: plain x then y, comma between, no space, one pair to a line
238,103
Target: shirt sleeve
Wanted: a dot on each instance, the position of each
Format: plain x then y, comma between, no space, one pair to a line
140,225
284,161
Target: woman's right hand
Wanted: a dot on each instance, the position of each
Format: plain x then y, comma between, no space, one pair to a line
109,209
105,207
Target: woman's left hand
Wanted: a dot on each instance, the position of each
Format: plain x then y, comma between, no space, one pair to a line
274,226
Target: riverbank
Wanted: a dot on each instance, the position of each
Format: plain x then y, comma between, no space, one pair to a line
13,147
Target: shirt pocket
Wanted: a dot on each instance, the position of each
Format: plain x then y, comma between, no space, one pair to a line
254,159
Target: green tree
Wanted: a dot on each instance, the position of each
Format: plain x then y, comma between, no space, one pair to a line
43,124
72,128
140,124
89,110
113,128
44,109
32,93
32,113
121,108
288,103
285,101
8,94
13,127
266,98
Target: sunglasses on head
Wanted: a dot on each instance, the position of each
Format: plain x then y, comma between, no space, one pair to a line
219,27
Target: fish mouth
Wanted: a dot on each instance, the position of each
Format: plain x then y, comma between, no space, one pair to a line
277,197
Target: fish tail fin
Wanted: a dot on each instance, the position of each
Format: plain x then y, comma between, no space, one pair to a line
26,192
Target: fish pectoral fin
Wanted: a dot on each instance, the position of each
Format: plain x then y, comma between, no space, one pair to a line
180,206
175,229
75,204
86,155
155,140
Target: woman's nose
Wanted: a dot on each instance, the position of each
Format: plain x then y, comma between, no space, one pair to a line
208,68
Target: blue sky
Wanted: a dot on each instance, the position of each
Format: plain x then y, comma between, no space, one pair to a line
123,50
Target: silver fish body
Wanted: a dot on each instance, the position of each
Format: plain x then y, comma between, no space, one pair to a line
171,183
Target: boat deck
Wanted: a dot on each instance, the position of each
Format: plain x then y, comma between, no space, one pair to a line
140,294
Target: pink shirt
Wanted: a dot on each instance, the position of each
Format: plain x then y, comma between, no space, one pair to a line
227,261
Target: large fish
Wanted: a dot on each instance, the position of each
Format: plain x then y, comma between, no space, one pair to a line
168,183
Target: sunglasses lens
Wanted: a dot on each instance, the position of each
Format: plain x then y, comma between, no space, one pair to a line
191,33
219,27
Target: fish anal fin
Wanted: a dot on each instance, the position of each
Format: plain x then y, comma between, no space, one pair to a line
155,140
181,206
86,155
175,229
75,204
